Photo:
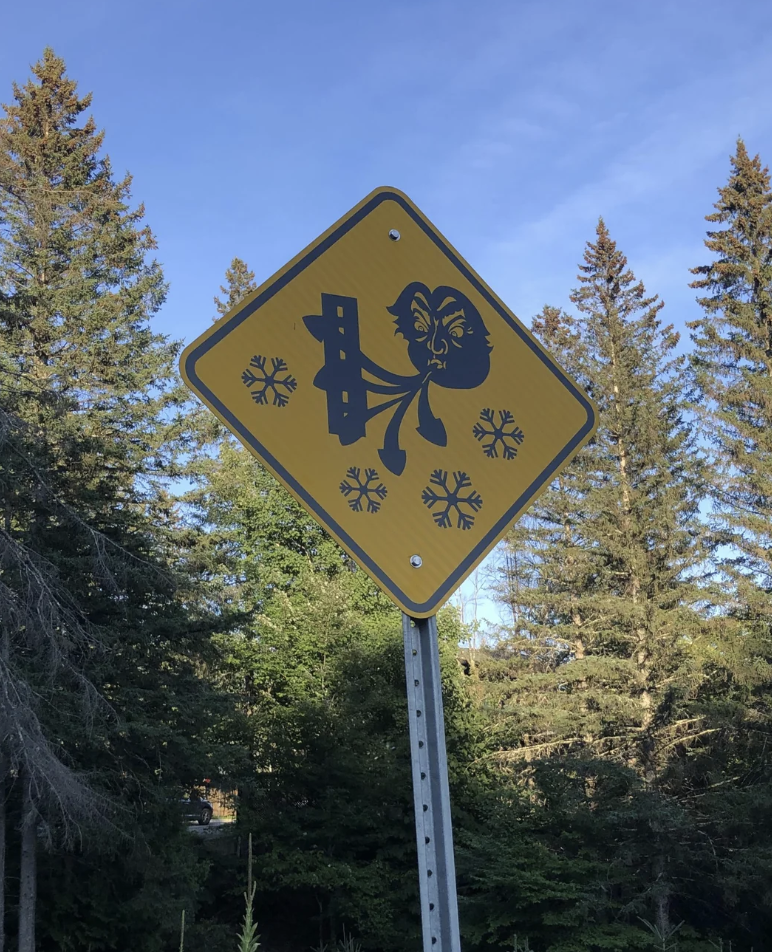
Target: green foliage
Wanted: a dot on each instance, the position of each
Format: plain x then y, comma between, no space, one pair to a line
347,944
317,669
731,364
104,643
78,283
248,940
608,756
611,674
607,566
663,937
239,282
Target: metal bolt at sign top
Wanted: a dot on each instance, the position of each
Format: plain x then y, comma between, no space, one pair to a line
394,234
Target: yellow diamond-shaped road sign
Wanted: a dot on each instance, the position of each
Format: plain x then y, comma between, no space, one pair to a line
395,396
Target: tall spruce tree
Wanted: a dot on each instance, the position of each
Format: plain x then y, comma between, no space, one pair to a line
732,368
78,283
239,282
203,431
88,438
732,381
607,584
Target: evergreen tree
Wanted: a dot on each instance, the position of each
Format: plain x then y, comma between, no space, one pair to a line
78,285
732,369
608,569
239,282
204,432
615,551
100,647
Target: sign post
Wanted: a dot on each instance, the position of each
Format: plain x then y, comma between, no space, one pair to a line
431,796
404,405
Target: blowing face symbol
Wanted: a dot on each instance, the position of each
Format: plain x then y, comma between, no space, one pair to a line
447,343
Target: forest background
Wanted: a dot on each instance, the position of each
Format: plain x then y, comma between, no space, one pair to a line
169,614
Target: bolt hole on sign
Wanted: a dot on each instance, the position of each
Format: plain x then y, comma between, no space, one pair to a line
397,398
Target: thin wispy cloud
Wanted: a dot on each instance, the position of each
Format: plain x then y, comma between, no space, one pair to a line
653,185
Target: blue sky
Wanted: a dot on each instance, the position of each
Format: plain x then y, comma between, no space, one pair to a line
250,127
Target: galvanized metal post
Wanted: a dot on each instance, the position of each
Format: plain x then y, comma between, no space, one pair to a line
431,796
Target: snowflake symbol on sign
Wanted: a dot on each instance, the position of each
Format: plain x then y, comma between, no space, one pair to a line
358,490
268,382
448,500
497,433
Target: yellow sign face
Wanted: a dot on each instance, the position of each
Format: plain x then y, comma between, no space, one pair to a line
395,396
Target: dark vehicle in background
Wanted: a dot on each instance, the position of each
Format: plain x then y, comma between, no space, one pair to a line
196,808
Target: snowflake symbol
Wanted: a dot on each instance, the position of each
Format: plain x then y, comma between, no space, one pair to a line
449,499
363,489
498,433
265,381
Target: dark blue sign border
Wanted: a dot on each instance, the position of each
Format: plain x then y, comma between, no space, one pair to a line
447,588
